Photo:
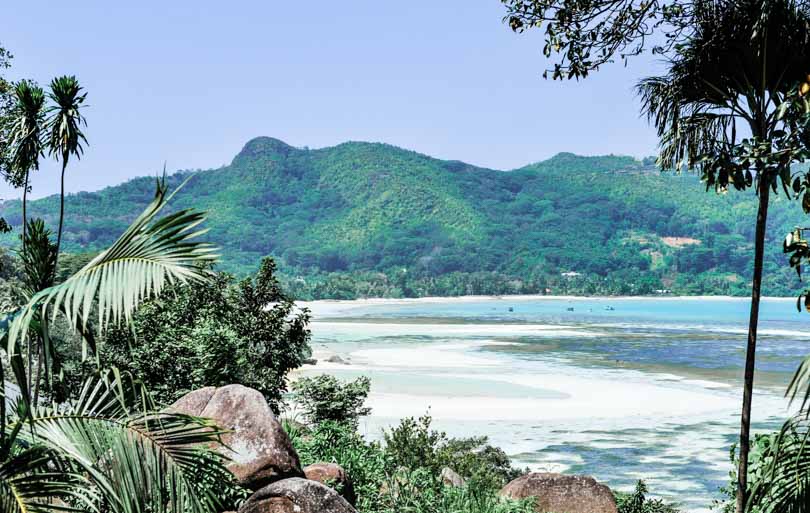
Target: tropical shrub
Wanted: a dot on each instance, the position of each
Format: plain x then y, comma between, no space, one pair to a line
637,502
365,462
413,444
212,334
416,492
383,485
325,398
760,460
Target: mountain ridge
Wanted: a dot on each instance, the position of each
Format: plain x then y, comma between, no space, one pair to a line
359,213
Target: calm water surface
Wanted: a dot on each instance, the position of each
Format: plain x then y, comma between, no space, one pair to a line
620,389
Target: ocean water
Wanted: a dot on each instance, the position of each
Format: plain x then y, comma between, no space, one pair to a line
620,389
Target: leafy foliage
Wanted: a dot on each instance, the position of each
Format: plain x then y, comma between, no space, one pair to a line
214,333
325,398
365,462
26,131
417,492
585,34
413,445
150,255
781,475
760,458
638,502
65,120
107,449
138,460
6,116
391,478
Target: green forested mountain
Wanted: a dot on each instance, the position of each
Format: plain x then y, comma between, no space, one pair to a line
373,219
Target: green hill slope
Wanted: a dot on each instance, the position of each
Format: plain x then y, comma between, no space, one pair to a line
373,219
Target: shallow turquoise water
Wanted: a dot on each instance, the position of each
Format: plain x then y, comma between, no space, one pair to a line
647,389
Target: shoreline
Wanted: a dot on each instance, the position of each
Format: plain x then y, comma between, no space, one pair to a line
555,407
525,297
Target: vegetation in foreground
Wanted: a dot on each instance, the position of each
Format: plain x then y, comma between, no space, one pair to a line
404,472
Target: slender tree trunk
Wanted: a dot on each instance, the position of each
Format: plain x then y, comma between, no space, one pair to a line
24,236
24,211
750,355
39,376
61,215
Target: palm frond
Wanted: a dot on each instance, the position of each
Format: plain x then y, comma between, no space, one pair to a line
784,483
739,58
799,383
65,120
140,461
27,126
38,259
150,255
31,482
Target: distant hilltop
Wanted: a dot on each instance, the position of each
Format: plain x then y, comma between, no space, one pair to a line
359,210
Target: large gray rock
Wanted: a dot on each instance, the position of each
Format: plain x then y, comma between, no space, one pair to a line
333,476
558,493
258,447
451,478
296,495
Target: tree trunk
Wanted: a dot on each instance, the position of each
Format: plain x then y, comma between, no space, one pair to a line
24,211
61,216
24,236
750,354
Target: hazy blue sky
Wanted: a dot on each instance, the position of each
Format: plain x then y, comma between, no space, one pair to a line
189,82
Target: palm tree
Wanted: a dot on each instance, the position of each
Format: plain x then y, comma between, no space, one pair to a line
65,135
27,148
26,137
719,109
108,449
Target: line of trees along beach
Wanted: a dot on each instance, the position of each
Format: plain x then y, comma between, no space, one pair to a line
132,377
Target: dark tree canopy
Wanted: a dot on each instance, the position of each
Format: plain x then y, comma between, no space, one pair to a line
585,34
6,105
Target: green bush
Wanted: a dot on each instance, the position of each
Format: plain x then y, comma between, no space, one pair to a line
334,442
637,502
415,491
404,474
325,398
413,444
760,458
214,334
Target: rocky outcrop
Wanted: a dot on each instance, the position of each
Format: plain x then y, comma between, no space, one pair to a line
333,476
258,447
296,495
451,478
558,493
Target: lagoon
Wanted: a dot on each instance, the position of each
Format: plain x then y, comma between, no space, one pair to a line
617,388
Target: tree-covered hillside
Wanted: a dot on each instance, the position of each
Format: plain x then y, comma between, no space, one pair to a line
373,219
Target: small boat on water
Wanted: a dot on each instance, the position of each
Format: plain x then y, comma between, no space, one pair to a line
570,308
609,308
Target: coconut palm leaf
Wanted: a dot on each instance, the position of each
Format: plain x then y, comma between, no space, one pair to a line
32,482
140,461
150,255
